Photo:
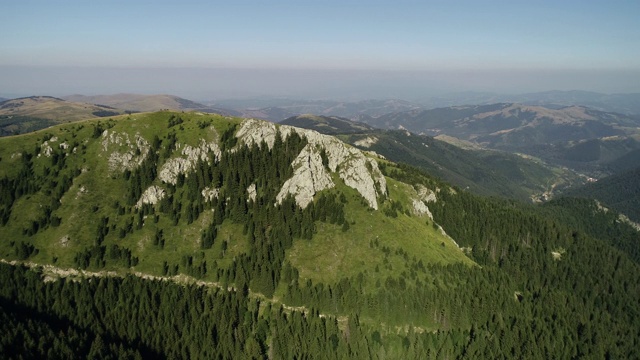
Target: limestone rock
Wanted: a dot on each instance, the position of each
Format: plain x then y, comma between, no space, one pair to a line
46,148
189,157
366,142
426,195
252,192
210,193
354,168
124,154
308,178
152,195
419,208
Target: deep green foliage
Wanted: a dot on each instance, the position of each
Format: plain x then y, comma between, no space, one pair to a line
587,216
557,281
620,192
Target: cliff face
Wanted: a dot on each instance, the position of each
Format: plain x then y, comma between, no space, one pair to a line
188,159
310,174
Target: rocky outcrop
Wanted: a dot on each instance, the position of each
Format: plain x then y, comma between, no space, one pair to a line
419,208
256,131
124,154
46,148
251,192
354,168
366,142
426,194
189,156
210,193
152,195
308,178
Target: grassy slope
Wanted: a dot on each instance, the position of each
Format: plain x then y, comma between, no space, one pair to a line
81,210
333,254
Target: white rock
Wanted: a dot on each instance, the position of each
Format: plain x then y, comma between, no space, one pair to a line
46,149
210,193
123,151
252,193
426,194
152,195
255,131
354,168
367,142
308,178
187,160
419,208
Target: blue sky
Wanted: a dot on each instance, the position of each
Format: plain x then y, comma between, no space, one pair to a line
499,45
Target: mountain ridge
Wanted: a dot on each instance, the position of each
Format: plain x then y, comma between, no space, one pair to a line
147,103
35,112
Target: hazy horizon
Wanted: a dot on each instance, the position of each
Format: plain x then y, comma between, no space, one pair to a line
401,49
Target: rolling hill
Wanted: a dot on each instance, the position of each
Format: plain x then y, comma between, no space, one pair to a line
175,234
146,103
32,113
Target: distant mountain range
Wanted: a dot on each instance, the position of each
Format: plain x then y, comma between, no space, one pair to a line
482,171
574,136
621,103
279,109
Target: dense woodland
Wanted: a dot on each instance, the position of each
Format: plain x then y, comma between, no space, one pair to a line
549,282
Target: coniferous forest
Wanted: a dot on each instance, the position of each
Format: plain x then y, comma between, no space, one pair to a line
556,281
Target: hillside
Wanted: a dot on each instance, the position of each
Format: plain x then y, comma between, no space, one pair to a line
22,115
134,168
620,192
147,103
485,172
174,235
578,137
331,125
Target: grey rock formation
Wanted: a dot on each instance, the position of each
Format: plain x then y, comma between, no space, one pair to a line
426,195
152,195
210,193
124,154
252,192
186,161
308,178
366,142
419,208
46,148
352,165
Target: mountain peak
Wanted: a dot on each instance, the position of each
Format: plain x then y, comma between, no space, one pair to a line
322,155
